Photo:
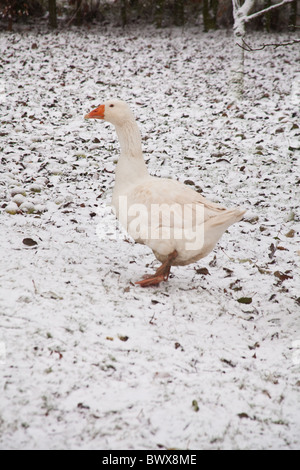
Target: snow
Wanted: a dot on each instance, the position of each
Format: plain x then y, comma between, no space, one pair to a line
89,360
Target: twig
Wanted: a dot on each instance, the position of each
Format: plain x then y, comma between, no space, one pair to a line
73,16
34,285
266,10
248,48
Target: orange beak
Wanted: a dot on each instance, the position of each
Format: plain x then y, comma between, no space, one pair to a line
97,113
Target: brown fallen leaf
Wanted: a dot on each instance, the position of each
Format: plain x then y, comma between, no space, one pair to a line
203,271
291,233
243,415
245,300
123,338
229,362
283,276
29,242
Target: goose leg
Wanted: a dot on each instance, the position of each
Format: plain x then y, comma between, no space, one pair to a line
161,274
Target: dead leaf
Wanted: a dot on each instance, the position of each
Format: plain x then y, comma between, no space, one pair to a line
228,362
195,405
291,233
243,415
228,271
82,406
245,300
123,338
203,271
283,276
29,242
189,182
213,262
178,345
256,345
272,250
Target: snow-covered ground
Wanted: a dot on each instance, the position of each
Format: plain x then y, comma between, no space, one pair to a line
87,358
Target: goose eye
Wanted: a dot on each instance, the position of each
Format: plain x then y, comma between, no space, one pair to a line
111,105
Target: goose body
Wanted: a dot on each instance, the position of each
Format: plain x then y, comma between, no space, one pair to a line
176,222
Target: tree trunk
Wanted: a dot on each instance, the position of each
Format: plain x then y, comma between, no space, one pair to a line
123,13
159,12
206,16
178,12
240,12
267,16
210,8
237,67
10,24
52,13
293,15
10,13
241,16
78,15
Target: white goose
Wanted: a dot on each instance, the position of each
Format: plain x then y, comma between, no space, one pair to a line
176,222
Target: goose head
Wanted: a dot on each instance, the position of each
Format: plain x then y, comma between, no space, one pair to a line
117,112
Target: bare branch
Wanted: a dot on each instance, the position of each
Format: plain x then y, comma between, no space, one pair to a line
248,48
266,10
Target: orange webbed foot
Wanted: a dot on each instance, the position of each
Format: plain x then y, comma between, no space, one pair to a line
151,281
162,273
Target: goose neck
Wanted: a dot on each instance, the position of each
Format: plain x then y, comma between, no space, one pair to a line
130,139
